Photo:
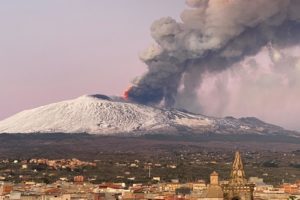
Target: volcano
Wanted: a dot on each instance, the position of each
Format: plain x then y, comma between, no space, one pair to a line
104,115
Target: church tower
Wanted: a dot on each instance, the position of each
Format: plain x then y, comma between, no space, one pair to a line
237,173
214,178
238,187
214,190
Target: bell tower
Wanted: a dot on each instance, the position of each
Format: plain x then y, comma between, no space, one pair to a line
237,173
238,187
214,178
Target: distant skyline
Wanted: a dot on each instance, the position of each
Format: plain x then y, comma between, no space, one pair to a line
60,49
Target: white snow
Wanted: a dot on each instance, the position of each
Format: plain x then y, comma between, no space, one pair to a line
100,114
85,114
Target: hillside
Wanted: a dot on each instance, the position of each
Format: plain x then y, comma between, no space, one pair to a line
103,115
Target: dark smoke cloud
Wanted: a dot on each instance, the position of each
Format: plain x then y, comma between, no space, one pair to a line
213,36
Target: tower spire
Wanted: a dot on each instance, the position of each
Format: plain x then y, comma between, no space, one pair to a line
238,173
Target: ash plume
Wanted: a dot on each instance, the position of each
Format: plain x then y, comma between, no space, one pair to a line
213,36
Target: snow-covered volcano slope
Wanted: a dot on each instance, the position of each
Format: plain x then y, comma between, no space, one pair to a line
99,114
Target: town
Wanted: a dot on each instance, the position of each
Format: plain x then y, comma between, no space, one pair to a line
220,176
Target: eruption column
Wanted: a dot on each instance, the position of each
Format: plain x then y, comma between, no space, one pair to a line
213,35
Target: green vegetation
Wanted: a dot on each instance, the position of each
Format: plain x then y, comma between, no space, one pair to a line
123,159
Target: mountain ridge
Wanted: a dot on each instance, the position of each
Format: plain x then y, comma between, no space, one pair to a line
104,115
